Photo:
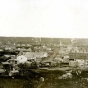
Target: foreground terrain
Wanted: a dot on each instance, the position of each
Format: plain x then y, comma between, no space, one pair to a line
49,82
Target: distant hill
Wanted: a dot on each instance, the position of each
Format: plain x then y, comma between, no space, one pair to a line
25,40
29,40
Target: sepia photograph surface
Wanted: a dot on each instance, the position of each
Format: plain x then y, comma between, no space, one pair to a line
43,44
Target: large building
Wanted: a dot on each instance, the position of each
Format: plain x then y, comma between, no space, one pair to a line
78,55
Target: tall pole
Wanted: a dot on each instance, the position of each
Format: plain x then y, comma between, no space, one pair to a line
40,39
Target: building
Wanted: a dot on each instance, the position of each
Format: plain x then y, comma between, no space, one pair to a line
21,59
78,55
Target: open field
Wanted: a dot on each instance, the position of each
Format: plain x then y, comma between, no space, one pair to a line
11,83
49,83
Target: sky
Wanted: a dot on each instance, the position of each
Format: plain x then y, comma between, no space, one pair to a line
44,18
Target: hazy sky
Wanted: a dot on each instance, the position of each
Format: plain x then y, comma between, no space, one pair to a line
44,18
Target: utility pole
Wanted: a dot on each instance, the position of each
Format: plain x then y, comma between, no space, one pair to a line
40,39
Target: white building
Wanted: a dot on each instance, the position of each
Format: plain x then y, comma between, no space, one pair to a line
21,59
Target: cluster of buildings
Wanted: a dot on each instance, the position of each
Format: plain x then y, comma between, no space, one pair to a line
38,55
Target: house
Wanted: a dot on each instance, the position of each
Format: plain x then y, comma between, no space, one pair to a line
21,59
80,63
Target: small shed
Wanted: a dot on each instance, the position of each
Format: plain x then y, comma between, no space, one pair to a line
73,63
